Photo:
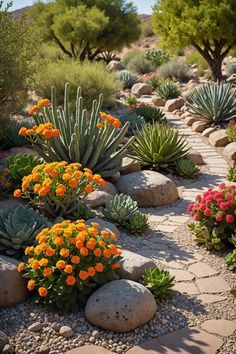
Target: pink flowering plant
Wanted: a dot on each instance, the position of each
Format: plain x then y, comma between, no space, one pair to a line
214,215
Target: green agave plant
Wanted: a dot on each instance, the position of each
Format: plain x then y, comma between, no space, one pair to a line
127,78
80,139
120,208
186,168
158,146
18,229
168,90
21,165
159,282
151,114
14,139
212,103
134,121
230,260
137,223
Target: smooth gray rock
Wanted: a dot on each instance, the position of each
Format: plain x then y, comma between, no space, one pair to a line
129,165
140,89
230,151
173,104
102,195
115,65
218,138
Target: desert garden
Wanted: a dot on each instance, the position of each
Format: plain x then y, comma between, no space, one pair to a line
117,178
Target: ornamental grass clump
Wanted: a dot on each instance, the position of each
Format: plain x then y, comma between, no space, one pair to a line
214,216
58,188
68,262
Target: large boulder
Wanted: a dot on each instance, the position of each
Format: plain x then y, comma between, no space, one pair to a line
105,225
140,89
158,102
173,104
13,289
230,151
219,138
195,157
133,265
148,188
120,306
100,196
115,65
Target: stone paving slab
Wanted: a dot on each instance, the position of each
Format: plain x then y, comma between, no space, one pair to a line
181,275
89,349
186,288
202,270
210,299
212,285
150,347
223,328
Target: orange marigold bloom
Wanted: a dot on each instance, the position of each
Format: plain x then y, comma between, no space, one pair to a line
100,125
95,224
91,244
50,251
73,183
66,176
47,272
75,260
35,264
88,189
60,264
42,291
17,193
115,265
91,271
101,182
79,244
29,132
113,237
43,191
83,275
78,174
28,250
70,280
43,262
93,231
99,267
73,240
60,191
81,226
97,252
107,253
38,250
53,173
113,249
47,182
59,241
30,284
22,131
102,243
44,102
105,234
68,269
84,251
65,252
47,133
21,267
55,132
37,187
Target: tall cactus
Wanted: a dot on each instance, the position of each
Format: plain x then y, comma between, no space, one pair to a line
80,139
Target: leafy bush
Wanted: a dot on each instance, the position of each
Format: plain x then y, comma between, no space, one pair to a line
230,260
130,55
212,103
58,188
232,174
21,165
159,282
180,52
175,70
158,146
18,229
196,58
213,213
147,30
186,168
93,78
95,145
168,90
123,210
127,78
157,57
131,100
134,121
231,130
140,65
231,68
13,137
150,113
68,262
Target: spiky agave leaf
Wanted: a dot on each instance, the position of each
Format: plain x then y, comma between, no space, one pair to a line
127,78
186,168
159,282
168,90
151,114
120,208
137,223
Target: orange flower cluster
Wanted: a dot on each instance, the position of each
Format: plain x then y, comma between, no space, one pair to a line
43,130
108,120
41,103
58,183
70,254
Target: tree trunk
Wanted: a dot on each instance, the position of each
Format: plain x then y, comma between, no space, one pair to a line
216,69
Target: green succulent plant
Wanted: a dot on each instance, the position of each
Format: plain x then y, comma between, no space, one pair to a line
137,223
230,260
211,240
232,174
80,139
159,282
231,131
120,208
18,229
21,165
151,114
212,103
131,100
134,121
84,211
127,78
13,137
158,146
154,81
168,90
186,168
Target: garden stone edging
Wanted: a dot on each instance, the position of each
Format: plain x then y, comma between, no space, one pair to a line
120,306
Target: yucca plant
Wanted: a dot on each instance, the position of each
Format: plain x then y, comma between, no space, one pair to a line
18,229
168,90
186,168
127,78
150,114
21,165
232,174
134,121
137,223
120,208
159,282
158,146
81,140
213,103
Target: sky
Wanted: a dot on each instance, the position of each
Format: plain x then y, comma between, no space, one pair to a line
144,6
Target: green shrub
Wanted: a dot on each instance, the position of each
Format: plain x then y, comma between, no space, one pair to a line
13,137
130,55
168,90
134,121
196,58
150,113
231,68
157,57
93,78
147,30
186,168
18,229
212,103
140,65
231,130
157,145
230,260
179,52
175,70
131,100
232,174
159,282
127,78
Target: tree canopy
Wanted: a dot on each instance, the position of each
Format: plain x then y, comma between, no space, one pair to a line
86,28
207,25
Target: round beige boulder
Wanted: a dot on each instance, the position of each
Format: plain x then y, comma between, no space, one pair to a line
148,188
